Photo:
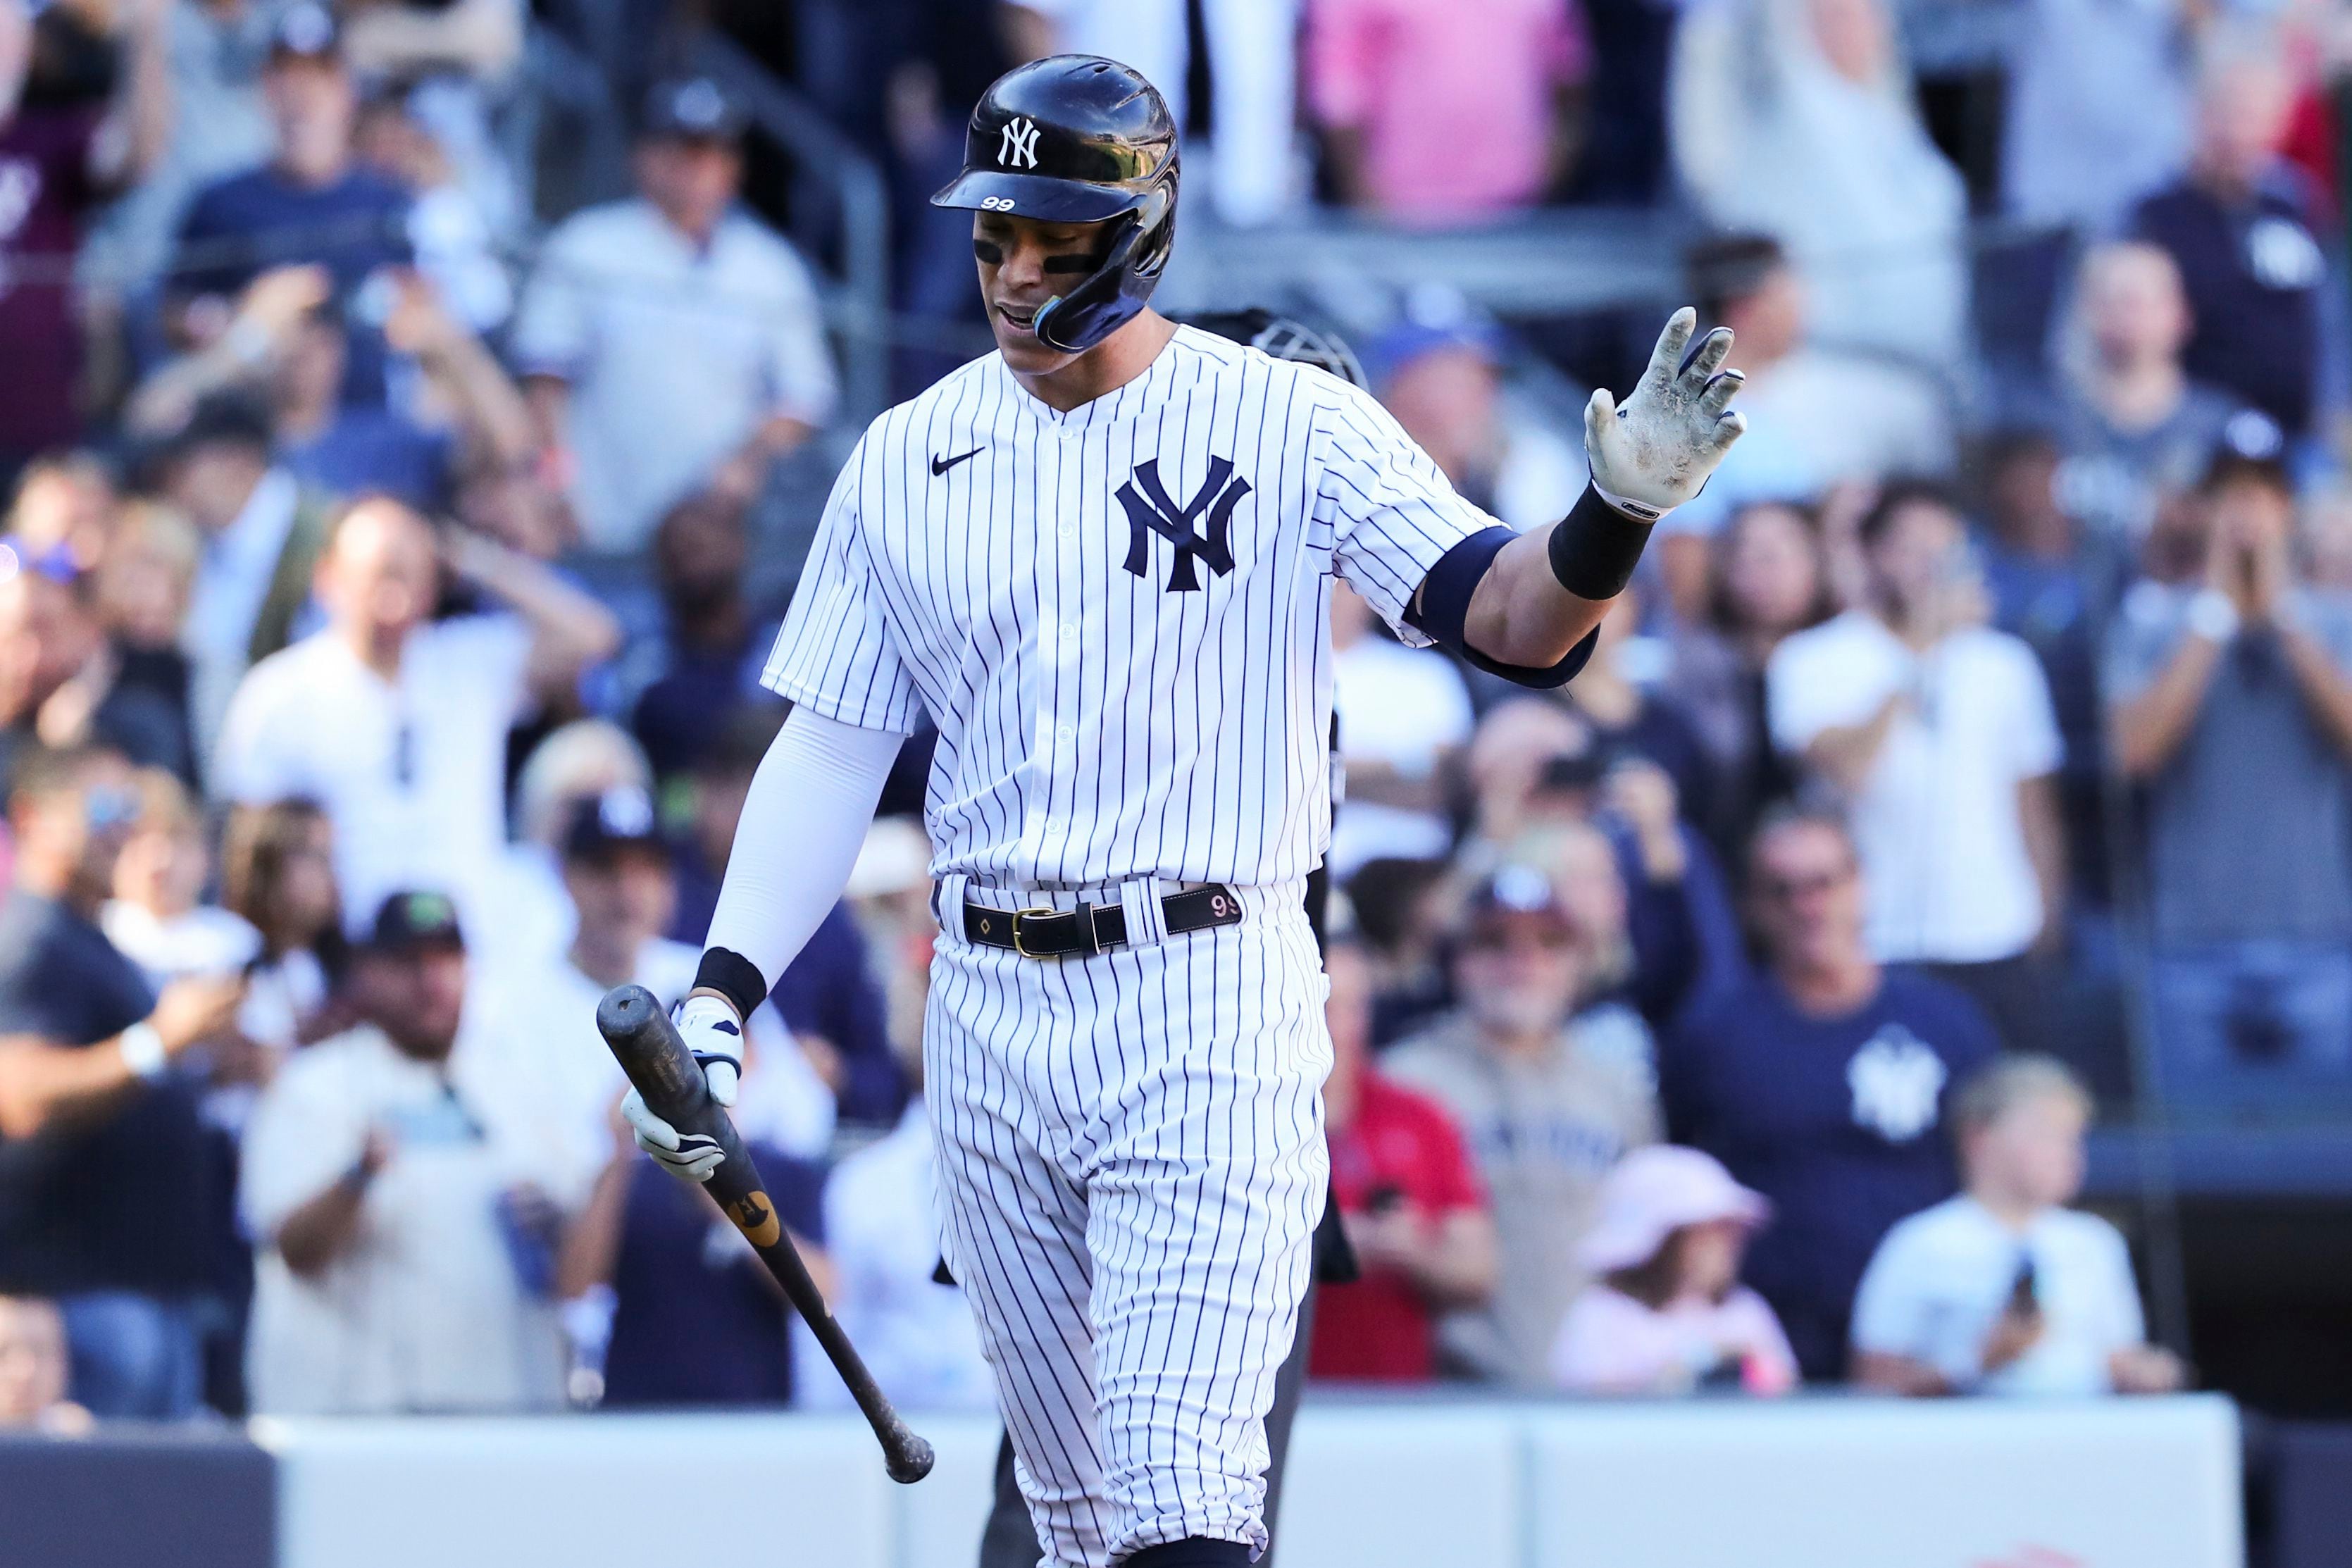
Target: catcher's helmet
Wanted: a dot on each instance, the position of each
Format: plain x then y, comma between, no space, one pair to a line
1076,138
1284,337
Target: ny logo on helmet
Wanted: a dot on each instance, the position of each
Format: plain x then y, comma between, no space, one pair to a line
1149,512
1018,149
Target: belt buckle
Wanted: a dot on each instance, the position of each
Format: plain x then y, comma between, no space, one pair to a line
1017,914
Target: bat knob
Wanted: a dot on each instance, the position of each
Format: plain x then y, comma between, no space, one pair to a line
911,1461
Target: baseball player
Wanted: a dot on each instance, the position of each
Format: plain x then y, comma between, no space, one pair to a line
1101,560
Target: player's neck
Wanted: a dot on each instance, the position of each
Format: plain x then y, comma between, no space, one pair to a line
1103,369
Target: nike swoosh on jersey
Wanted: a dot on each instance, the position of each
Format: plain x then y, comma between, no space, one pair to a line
941,464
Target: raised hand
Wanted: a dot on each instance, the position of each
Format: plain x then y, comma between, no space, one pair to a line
1656,450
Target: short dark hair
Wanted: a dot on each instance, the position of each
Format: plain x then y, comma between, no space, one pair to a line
1906,490
1720,268
1785,815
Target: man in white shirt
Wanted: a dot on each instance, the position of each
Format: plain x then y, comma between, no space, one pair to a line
2001,1288
406,1260
1938,731
670,340
397,723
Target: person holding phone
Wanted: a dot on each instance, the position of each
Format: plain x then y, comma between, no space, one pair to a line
2003,1289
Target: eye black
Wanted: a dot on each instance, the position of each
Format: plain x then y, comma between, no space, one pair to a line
989,251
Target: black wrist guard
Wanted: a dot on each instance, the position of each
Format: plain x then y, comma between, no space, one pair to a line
1595,548
733,976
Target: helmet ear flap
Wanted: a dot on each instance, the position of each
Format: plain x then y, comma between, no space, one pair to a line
1091,311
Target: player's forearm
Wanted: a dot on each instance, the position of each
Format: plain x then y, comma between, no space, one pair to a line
1520,615
804,819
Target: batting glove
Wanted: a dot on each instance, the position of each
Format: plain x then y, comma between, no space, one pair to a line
715,1036
1656,451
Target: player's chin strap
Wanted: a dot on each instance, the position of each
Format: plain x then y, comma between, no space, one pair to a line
1116,291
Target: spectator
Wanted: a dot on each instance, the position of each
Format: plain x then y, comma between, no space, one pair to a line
1441,373
313,203
542,1039
1617,697
1820,413
2054,591
713,646
673,343
396,724
1544,1105
140,594
827,994
1795,118
574,765
2003,1288
1409,1201
157,917
1941,733
696,1319
1667,1314
262,533
430,138
1404,714
2131,425
278,873
1765,580
1819,1082
1445,113
105,1189
65,502
63,160
481,418
1404,911
406,1262
34,1365
2230,703
59,685
2241,228
1505,764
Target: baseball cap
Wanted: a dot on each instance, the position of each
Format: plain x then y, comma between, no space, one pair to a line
2252,446
1656,1191
621,818
307,32
1510,891
406,921
694,109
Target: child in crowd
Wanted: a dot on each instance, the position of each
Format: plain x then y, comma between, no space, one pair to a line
33,1365
2003,1289
1667,1314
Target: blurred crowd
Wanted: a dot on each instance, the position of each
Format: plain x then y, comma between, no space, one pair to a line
382,595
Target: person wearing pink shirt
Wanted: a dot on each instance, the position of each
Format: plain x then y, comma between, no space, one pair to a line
1667,1312
1438,111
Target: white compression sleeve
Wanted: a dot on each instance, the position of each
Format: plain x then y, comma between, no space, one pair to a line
803,822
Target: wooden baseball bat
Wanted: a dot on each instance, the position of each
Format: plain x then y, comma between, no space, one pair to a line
647,1045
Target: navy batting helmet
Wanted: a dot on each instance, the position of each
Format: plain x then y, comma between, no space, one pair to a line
1077,139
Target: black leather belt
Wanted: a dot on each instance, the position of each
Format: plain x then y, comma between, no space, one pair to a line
1089,929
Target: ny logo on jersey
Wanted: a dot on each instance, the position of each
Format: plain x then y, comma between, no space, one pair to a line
1018,149
1149,512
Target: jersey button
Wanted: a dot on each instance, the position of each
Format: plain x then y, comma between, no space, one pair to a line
1069,531
1067,733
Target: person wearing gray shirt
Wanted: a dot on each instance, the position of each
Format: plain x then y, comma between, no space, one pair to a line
2231,704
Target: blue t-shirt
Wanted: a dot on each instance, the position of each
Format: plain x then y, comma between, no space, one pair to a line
1840,1121
126,1203
696,1322
239,227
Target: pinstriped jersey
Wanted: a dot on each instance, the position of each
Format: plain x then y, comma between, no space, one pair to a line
1116,616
